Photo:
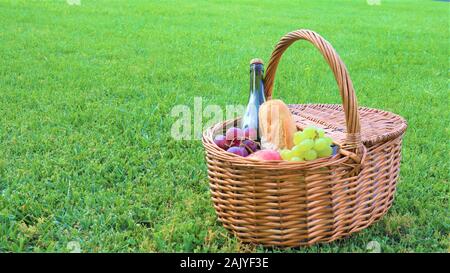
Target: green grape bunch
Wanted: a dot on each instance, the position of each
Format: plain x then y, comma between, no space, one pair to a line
310,144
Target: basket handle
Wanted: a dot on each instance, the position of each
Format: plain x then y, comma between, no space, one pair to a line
340,72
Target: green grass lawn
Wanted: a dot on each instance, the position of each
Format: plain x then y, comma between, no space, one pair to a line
86,153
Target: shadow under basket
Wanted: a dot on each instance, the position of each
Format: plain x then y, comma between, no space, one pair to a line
290,204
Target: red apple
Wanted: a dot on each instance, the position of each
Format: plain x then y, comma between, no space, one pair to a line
266,155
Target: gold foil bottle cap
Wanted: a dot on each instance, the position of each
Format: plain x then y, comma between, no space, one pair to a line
256,61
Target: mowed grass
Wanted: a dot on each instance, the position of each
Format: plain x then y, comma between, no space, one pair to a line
86,153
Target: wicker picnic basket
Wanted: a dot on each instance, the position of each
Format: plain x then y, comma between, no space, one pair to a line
289,204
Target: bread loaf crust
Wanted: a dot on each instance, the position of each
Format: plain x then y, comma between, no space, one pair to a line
277,125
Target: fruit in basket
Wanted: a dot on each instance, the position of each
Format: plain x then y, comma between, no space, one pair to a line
250,133
296,151
234,133
286,154
320,132
241,151
325,152
306,145
321,144
277,125
310,132
266,155
235,138
310,144
250,145
310,155
233,142
221,141
299,137
297,159
335,149
329,140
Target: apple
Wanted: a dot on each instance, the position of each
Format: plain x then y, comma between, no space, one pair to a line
266,155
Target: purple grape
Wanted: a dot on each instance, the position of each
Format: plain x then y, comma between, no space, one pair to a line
335,149
250,133
221,141
234,133
233,143
250,145
241,151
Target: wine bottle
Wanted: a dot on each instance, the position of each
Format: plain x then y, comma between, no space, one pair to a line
250,120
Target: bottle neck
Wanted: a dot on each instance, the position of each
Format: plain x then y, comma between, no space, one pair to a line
256,79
